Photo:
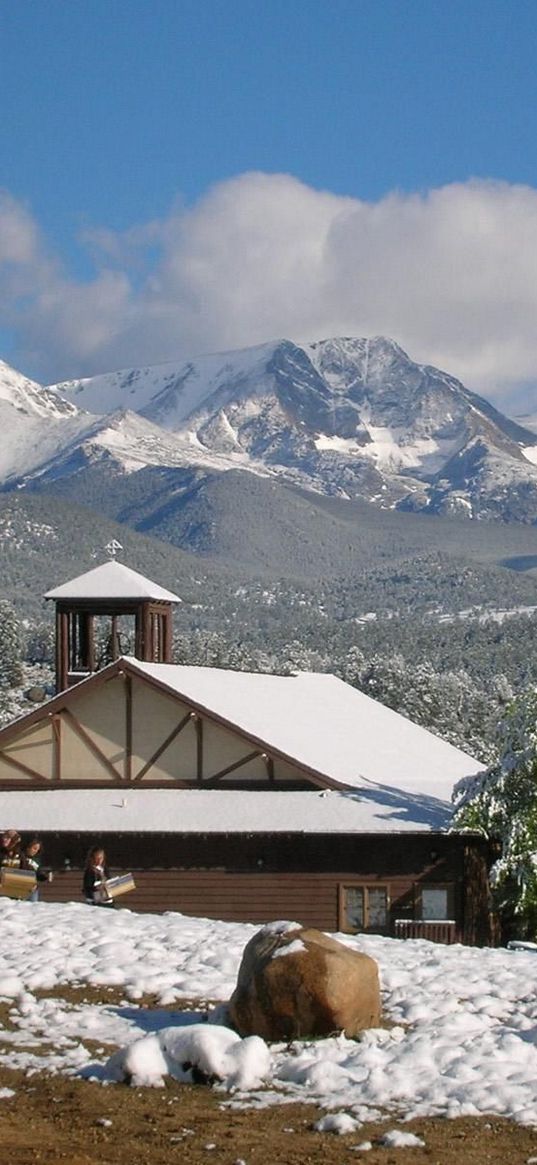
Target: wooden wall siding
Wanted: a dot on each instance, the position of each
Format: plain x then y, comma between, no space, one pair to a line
124,729
221,876
309,899
216,894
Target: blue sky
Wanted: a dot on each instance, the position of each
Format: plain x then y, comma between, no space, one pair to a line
112,109
122,114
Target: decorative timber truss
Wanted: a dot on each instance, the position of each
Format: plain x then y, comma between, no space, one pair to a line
105,730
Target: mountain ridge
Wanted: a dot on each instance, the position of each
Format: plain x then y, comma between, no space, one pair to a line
351,417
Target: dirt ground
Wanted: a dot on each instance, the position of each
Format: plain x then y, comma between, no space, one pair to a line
55,1119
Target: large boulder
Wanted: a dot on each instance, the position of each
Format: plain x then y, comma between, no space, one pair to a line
294,982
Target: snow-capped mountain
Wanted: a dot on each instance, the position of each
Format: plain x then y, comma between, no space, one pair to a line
35,423
354,417
45,435
350,417
30,398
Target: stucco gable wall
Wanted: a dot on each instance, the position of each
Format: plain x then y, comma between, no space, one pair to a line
284,771
100,711
33,748
154,717
222,748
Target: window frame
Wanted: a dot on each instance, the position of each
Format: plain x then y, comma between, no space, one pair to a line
449,887
365,886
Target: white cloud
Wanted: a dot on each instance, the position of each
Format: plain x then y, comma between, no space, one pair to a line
451,274
18,233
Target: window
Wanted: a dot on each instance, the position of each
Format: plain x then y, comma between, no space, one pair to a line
436,903
354,908
363,907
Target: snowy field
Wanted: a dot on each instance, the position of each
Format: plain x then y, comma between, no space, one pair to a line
460,1040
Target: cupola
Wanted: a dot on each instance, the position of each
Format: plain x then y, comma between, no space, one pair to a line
97,610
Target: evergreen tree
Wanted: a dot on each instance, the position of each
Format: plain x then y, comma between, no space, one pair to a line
10,647
40,642
501,803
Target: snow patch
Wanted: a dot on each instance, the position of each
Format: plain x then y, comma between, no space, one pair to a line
530,453
293,948
279,927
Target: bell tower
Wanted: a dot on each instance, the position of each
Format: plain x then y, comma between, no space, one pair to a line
97,601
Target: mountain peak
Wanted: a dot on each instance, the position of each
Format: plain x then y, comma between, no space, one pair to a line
361,346
28,396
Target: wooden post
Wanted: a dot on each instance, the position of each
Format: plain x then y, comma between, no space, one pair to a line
128,728
60,679
56,748
168,635
153,635
62,649
75,633
146,632
139,632
72,641
199,748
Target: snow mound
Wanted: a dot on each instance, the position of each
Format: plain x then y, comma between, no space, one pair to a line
200,1052
10,986
337,1122
396,1139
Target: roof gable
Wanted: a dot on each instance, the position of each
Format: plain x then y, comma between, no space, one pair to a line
332,732
324,725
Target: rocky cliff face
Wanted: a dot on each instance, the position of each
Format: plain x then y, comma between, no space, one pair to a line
358,417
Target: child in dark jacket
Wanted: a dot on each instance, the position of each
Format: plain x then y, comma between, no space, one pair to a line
32,859
96,873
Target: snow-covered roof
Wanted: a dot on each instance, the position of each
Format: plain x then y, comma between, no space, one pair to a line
394,776
112,580
116,810
325,725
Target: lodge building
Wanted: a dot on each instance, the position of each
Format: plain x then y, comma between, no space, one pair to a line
235,795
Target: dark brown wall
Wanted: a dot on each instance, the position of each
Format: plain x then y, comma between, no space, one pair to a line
246,878
441,856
